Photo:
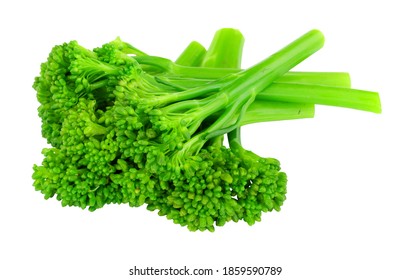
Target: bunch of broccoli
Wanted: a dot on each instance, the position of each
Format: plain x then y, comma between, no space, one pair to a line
128,127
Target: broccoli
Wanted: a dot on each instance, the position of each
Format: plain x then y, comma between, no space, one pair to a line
264,189
126,127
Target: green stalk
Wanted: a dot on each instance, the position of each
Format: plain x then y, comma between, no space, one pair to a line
335,79
269,105
235,90
127,48
220,55
187,76
252,81
259,110
193,55
166,66
267,111
266,107
225,50
185,59
240,90
324,95
229,40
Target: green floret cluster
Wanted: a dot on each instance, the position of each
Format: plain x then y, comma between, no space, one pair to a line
125,127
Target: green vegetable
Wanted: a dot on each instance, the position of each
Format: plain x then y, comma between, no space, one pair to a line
193,55
128,127
267,191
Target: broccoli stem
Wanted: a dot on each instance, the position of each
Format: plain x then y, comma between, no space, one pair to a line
189,76
272,103
251,160
324,95
267,111
238,91
193,55
299,88
334,79
167,67
234,139
242,91
185,73
126,47
225,50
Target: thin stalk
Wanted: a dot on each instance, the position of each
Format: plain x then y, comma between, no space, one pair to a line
99,84
260,111
229,40
335,79
324,95
189,76
234,138
127,48
186,95
166,66
236,96
255,79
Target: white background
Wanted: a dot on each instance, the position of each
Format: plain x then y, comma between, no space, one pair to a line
347,211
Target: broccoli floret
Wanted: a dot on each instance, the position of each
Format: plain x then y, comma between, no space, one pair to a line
202,196
265,190
78,171
259,186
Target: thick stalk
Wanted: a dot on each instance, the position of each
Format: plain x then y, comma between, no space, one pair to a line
193,55
225,50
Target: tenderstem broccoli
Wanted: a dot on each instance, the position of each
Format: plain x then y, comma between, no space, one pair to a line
126,127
